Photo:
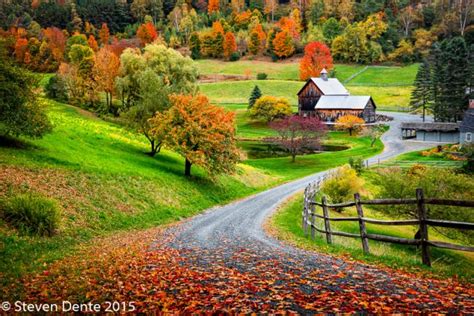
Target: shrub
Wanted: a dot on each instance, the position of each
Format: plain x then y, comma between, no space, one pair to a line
56,89
341,185
234,56
32,214
357,164
436,183
262,76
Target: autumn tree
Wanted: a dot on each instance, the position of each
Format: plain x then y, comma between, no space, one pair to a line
148,79
93,43
195,46
106,69
21,113
257,39
268,108
147,33
283,45
56,40
407,17
104,34
350,123
298,134
229,46
213,6
270,8
202,133
316,57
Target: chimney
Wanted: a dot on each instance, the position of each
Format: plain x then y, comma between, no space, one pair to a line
324,74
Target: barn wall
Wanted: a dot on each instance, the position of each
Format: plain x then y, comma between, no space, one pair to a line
369,112
308,97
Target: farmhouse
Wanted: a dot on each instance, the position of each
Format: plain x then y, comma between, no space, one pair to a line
328,99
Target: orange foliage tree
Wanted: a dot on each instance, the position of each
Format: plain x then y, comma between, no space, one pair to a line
350,123
257,39
291,26
213,6
57,42
93,43
21,48
106,69
104,34
316,57
230,46
147,33
204,134
283,44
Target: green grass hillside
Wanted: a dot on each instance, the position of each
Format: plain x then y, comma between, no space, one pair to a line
105,182
390,87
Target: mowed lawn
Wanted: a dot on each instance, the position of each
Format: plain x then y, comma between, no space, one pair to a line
390,87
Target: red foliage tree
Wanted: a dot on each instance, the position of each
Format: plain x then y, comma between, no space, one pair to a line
298,134
147,33
21,48
316,57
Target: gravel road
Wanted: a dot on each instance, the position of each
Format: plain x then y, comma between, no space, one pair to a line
232,237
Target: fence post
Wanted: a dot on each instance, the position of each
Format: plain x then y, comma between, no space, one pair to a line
305,210
425,254
327,225
363,230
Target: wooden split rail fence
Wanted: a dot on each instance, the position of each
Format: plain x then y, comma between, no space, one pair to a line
310,217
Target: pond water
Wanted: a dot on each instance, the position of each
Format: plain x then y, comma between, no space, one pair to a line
260,149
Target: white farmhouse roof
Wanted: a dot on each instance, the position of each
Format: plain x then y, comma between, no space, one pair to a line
330,86
346,102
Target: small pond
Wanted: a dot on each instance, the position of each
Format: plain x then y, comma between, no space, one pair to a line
259,149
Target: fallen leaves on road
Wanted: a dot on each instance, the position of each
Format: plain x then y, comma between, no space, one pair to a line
167,278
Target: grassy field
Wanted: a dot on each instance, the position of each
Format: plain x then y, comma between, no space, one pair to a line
390,87
415,157
105,182
286,225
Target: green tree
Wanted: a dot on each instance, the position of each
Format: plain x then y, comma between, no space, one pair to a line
422,95
20,111
149,79
195,46
451,76
254,96
331,29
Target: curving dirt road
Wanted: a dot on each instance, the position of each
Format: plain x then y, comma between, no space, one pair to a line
230,239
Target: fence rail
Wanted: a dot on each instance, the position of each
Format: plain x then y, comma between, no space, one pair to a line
422,221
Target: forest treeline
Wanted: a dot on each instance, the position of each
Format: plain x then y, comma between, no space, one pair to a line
365,31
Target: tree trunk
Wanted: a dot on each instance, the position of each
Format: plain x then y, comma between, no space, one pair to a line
187,168
350,131
155,148
293,157
424,109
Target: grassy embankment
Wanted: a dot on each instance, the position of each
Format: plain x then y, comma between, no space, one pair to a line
105,182
286,225
390,87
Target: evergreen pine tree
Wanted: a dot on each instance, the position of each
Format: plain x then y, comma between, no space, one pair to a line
451,79
422,95
254,96
195,46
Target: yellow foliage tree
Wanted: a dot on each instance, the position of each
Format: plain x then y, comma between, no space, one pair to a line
350,123
268,108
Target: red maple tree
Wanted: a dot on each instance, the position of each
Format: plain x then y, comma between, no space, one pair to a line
298,134
316,57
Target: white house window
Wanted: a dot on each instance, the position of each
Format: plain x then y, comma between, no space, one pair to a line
468,137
